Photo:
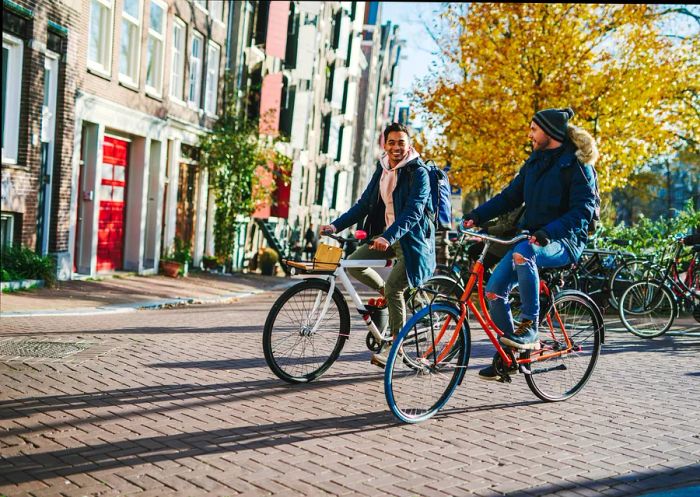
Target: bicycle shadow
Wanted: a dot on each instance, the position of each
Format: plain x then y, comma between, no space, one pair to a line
148,450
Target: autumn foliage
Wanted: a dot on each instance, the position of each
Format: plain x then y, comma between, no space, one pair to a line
634,87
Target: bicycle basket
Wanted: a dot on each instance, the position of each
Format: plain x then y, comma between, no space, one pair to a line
327,257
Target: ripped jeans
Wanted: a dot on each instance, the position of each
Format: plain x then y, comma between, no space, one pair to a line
507,273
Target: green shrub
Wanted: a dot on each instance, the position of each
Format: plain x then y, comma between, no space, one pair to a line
267,260
650,238
20,263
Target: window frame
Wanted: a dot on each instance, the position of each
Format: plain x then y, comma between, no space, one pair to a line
212,45
102,67
9,233
178,23
161,38
138,24
195,104
12,108
211,12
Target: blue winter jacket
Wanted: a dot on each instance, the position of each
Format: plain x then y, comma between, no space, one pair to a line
412,227
563,215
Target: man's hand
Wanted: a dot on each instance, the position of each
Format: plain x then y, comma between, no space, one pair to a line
540,238
380,244
468,221
327,229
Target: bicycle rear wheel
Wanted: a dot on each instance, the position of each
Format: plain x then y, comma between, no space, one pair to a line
571,333
298,346
426,363
647,309
626,274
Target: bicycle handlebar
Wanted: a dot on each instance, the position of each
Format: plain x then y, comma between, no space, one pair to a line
515,239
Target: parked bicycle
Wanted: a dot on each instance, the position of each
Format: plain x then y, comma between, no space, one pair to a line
308,325
649,306
592,274
429,357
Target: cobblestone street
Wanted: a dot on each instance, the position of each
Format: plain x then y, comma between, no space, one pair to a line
181,402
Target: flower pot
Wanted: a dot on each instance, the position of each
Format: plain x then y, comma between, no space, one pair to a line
171,268
268,269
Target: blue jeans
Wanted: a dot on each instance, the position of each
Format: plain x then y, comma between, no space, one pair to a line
507,273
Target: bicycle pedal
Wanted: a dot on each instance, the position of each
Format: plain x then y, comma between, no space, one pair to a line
505,379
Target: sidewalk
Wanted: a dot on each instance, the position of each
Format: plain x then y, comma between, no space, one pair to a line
128,292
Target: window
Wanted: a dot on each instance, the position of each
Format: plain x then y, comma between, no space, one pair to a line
100,37
156,41
216,9
195,81
213,55
177,76
130,42
7,228
12,50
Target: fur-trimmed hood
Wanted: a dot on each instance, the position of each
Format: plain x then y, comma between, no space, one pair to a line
586,147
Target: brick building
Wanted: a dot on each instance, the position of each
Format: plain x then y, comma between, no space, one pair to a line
39,83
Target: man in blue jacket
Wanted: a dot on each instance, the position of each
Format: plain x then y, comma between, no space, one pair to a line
559,205
392,212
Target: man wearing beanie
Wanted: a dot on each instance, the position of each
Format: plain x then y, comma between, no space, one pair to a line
559,205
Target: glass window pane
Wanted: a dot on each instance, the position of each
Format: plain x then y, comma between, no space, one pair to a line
96,22
156,23
131,7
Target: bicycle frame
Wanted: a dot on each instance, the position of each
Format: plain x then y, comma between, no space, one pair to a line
342,275
482,315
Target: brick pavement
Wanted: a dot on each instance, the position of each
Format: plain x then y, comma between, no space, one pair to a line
180,402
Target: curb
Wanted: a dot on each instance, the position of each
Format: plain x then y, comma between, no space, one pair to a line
145,305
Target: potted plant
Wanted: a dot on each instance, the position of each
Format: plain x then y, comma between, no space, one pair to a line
176,259
210,263
267,260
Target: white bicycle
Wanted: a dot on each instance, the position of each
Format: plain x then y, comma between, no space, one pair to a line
309,323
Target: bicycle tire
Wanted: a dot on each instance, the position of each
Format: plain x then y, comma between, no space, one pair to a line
626,274
415,386
289,330
562,376
647,309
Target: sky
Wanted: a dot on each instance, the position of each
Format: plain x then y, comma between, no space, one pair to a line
419,48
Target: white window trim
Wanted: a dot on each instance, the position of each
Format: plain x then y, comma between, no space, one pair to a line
211,44
125,78
223,13
10,154
150,90
181,24
195,104
10,228
200,7
96,66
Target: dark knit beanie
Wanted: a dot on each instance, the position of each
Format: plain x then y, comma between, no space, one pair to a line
553,122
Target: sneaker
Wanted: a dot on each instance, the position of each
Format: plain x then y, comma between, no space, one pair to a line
524,337
488,373
381,357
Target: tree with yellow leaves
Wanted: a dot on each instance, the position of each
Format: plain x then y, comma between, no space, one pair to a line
633,87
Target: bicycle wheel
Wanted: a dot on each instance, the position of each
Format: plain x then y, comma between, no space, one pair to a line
571,334
298,346
434,355
647,309
438,288
626,274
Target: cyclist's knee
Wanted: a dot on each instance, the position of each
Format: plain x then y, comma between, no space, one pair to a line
519,258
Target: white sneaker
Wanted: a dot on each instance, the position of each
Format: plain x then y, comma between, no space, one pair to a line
380,358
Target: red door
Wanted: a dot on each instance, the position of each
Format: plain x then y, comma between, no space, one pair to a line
110,233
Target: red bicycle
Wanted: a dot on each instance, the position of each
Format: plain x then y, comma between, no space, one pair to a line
429,357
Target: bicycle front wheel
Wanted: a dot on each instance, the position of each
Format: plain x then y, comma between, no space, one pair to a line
426,363
628,273
300,343
571,333
647,309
